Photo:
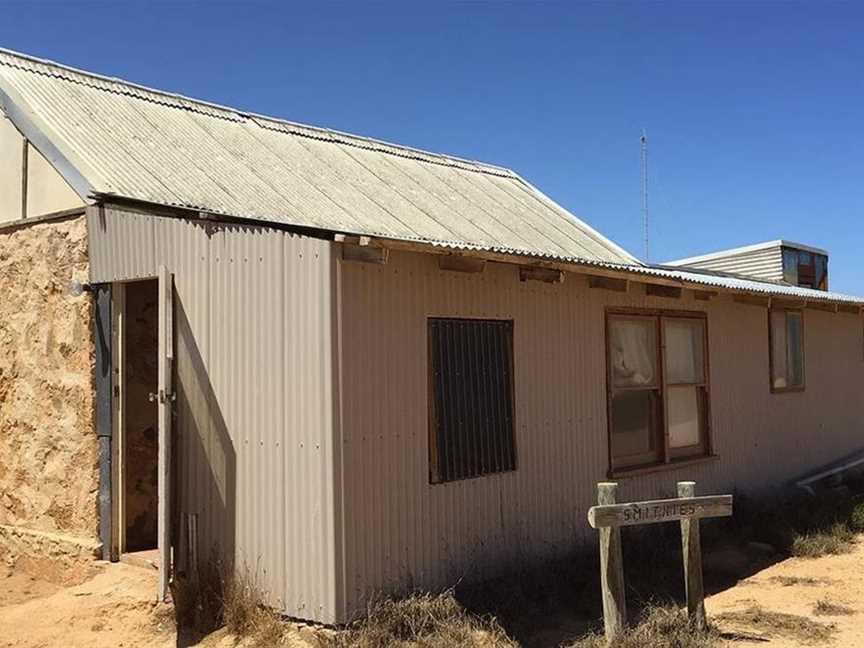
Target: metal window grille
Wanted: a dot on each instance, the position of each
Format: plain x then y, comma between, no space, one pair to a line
471,398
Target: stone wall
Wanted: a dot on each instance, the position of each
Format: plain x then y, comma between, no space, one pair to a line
48,447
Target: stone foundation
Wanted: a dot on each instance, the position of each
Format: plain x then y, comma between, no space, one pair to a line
55,557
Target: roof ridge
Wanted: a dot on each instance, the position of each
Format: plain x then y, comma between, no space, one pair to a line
213,109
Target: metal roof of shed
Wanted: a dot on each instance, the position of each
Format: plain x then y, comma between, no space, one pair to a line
113,138
720,254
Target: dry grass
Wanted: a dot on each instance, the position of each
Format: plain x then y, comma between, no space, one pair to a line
793,581
837,539
221,597
245,610
797,524
825,607
798,628
856,516
422,621
660,627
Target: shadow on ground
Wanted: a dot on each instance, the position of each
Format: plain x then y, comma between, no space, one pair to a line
559,602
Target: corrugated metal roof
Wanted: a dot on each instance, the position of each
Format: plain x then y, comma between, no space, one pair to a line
695,276
117,138
727,282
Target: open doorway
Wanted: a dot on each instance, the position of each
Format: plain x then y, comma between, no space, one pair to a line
136,450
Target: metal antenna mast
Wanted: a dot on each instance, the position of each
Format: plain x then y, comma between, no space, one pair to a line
643,141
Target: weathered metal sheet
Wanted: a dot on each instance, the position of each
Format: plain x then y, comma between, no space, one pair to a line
147,145
255,390
407,533
760,263
153,146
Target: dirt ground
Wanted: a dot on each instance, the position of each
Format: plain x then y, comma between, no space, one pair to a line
116,608
824,596
796,602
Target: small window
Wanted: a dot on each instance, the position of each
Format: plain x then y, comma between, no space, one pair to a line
805,269
471,398
787,350
658,391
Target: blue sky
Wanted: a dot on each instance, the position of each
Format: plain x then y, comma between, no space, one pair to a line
753,110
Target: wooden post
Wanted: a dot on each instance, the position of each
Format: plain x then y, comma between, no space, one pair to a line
692,550
611,568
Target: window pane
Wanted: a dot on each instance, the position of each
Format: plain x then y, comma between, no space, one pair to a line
633,352
795,347
790,267
685,354
778,349
634,426
821,262
685,419
471,415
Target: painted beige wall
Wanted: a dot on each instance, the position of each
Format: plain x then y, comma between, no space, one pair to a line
47,191
48,448
401,531
11,153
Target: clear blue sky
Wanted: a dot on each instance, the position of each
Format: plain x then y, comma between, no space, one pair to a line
754,111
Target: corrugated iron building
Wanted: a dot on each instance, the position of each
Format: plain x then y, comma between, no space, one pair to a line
306,267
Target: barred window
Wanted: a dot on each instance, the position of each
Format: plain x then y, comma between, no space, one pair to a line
470,398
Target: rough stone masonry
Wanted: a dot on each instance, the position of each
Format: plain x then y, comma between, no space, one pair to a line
48,447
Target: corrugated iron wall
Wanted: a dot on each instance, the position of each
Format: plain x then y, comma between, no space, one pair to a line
402,532
254,422
307,454
765,264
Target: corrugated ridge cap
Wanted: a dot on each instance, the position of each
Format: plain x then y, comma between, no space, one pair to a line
35,65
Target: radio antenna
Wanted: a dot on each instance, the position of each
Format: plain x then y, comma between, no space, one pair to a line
643,157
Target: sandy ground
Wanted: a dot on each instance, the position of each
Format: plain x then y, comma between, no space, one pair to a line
794,587
117,608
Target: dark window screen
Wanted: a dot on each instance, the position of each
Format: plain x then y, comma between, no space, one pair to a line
471,398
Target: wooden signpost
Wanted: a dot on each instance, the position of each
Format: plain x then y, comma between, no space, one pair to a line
608,518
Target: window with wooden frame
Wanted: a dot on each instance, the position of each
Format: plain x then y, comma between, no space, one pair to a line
786,345
658,395
806,269
470,398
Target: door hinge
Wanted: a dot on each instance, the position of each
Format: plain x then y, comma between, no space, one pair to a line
162,397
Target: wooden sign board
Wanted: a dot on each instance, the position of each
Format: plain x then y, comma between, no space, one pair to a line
668,510
608,516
